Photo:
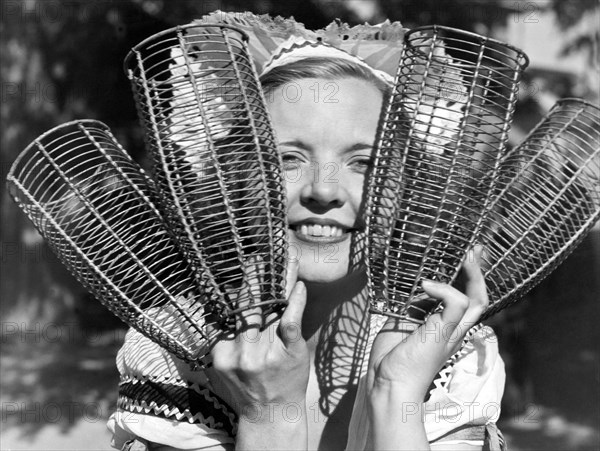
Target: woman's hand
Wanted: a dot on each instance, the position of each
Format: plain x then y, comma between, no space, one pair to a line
405,358
262,370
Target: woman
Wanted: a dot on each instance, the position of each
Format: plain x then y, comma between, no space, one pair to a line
326,375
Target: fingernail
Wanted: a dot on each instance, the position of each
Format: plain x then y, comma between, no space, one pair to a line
478,251
429,283
300,286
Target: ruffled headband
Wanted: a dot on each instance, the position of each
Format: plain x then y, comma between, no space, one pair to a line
275,42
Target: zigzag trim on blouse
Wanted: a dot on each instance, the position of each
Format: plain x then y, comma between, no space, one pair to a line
443,378
195,404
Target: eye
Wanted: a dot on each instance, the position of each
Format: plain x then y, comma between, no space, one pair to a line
291,160
361,163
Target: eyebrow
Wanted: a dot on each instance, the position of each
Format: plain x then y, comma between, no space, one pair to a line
296,143
360,146
302,145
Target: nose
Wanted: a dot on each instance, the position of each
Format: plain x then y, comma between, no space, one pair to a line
322,187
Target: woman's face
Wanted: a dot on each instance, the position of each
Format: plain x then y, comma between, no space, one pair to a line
326,132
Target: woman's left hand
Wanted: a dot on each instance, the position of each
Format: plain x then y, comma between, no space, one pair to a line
411,355
406,357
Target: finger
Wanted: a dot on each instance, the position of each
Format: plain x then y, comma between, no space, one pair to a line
290,326
291,276
421,306
455,303
248,314
290,281
451,320
475,282
475,287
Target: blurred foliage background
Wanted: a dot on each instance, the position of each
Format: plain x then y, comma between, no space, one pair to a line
62,60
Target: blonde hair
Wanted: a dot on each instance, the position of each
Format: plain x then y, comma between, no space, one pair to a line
320,67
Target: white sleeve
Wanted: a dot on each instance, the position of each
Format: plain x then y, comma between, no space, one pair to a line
163,401
468,393
171,434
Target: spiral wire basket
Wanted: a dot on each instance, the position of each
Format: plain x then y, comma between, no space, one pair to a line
548,200
95,207
437,160
215,162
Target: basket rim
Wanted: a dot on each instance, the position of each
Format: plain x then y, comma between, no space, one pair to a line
127,62
578,100
471,34
36,141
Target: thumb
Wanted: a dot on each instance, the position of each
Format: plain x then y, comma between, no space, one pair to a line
291,276
290,326
455,303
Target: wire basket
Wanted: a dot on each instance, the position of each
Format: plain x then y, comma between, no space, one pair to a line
215,160
437,159
548,200
94,206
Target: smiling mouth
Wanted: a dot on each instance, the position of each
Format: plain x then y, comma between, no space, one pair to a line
318,230
321,233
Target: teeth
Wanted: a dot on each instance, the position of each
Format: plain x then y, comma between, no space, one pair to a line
319,230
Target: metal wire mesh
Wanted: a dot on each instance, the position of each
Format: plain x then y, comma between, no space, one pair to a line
437,158
548,200
215,159
94,206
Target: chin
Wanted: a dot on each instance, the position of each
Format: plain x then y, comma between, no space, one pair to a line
321,263
321,272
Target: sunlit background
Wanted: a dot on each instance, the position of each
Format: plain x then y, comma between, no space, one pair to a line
62,60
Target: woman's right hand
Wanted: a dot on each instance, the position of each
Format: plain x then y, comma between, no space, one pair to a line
262,369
